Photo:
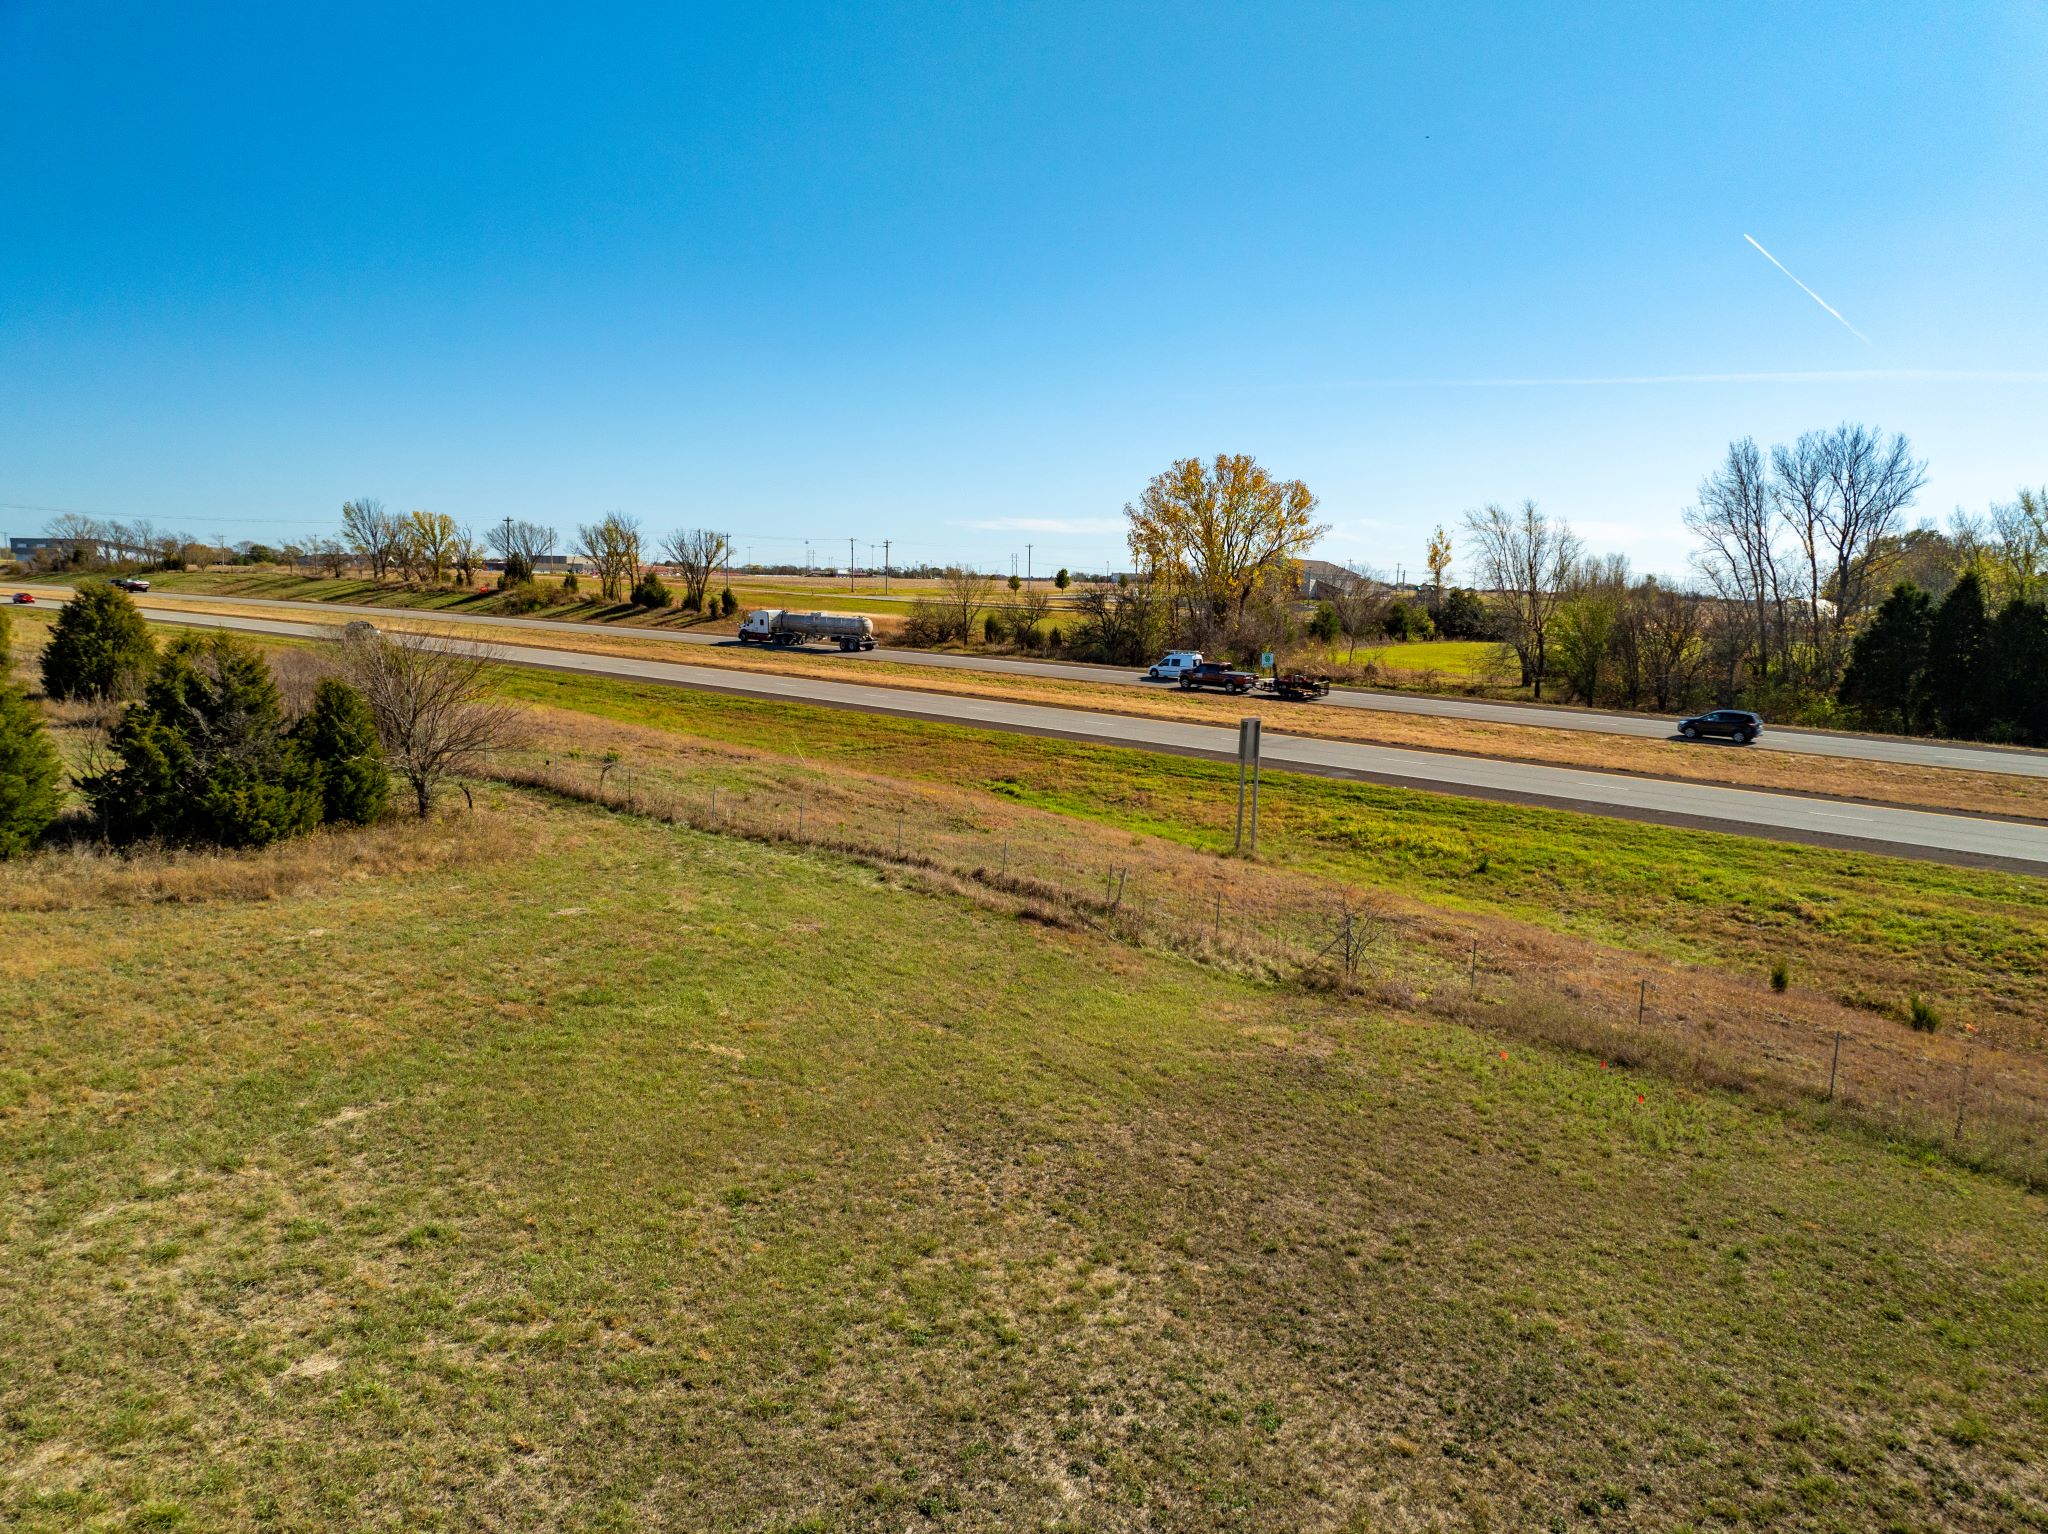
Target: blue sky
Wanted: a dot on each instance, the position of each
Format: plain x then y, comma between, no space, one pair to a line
966,276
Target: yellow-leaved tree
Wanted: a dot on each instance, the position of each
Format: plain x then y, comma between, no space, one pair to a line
1221,534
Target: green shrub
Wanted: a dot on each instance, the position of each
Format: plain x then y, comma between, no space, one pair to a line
524,597
650,592
518,572
1781,974
569,580
991,628
728,604
1921,1014
30,773
1323,626
99,648
205,757
339,739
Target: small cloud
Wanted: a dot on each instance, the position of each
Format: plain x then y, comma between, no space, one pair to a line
1046,525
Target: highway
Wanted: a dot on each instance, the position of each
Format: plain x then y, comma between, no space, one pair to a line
1961,839
1871,748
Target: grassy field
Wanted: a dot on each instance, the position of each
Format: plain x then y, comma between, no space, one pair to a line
1448,660
1852,922
560,1170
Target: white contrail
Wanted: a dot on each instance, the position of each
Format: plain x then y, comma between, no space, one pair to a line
1781,266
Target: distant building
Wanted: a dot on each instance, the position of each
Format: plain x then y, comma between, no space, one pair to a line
1320,578
26,549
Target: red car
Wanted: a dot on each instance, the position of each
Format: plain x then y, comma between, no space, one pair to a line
23,599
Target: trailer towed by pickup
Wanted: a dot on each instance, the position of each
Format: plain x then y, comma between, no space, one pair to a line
778,626
1297,686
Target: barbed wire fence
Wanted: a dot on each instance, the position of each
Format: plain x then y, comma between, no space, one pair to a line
1962,1101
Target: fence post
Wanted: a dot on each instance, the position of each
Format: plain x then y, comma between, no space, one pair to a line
1642,1000
799,817
1834,1060
899,835
1472,978
1006,857
1219,917
1962,1095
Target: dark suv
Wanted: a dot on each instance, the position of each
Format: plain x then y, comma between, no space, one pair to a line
1739,726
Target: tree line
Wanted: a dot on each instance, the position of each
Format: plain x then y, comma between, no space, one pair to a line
205,751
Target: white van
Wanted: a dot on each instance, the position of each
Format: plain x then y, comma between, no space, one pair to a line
1174,665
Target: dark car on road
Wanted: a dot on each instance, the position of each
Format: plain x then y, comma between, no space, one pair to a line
130,583
1738,725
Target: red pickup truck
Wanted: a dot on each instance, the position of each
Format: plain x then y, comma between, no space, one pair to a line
1213,673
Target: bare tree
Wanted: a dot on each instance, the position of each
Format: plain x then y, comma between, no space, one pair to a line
465,553
1874,478
521,545
962,594
1524,558
697,554
433,704
1028,609
1841,493
1734,517
1120,622
1361,604
612,545
1673,630
371,531
332,556
84,539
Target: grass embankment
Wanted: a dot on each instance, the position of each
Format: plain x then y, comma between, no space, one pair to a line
625,1177
1846,920
1936,788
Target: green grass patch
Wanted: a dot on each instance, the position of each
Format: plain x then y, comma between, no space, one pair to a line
1849,918
634,1178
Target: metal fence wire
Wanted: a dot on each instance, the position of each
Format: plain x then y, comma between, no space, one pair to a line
1691,1026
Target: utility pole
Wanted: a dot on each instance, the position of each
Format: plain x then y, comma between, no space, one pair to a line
1027,564
849,564
885,567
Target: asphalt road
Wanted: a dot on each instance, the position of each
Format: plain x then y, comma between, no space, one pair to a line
1961,839
1870,748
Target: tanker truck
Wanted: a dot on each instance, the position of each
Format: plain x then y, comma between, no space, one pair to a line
778,626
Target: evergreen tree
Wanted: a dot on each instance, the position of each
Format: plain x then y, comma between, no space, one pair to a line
205,757
6,644
2019,673
30,774
100,648
339,738
1887,676
1959,666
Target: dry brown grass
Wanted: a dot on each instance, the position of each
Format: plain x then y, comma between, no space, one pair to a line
1933,788
88,876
